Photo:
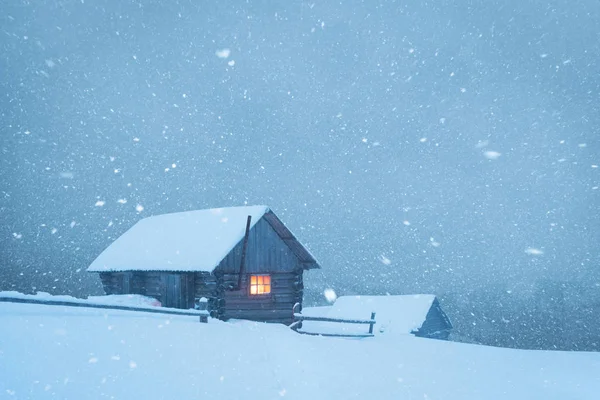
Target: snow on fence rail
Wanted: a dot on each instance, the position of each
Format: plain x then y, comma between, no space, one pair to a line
298,318
196,313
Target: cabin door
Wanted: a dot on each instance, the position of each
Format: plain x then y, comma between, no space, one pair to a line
173,293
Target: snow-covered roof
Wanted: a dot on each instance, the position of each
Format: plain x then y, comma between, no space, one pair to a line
186,241
394,314
401,314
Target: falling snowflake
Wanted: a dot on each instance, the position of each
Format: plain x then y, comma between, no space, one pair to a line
100,203
139,208
384,260
492,155
223,53
330,295
533,251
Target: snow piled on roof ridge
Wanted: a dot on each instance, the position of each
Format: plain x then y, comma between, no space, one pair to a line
215,210
183,241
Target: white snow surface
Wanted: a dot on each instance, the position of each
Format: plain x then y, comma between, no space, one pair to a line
394,314
54,352
131,300
186,241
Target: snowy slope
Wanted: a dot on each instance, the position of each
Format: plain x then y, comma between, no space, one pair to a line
50,352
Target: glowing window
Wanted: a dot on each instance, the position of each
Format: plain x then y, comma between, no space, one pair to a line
260,284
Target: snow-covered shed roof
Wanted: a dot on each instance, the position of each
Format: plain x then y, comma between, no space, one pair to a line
186,241
400,314
394,314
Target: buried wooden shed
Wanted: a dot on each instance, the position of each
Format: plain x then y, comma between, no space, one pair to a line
244,260
420,315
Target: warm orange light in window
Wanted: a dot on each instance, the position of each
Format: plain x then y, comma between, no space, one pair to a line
260,284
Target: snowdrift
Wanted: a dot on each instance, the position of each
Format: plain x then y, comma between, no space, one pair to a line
49,352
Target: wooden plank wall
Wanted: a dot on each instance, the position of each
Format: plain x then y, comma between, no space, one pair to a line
266,252
112,282
436,324
152,284
137,283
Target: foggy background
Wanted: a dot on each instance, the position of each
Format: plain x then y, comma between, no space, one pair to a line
446,147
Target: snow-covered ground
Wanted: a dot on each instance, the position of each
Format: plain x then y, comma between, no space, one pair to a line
129,300
58,352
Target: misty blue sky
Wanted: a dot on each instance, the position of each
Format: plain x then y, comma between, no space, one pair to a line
413,147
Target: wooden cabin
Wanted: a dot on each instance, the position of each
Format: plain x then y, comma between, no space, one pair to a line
244,260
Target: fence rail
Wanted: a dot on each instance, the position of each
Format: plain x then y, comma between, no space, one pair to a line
298,318
67,303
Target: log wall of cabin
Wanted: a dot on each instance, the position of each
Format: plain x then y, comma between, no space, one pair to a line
286,290
266,253
205,285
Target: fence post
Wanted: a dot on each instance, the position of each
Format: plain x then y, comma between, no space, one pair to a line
296,324
372,323
203,306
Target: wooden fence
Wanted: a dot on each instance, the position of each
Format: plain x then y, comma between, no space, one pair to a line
158,310
298,318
